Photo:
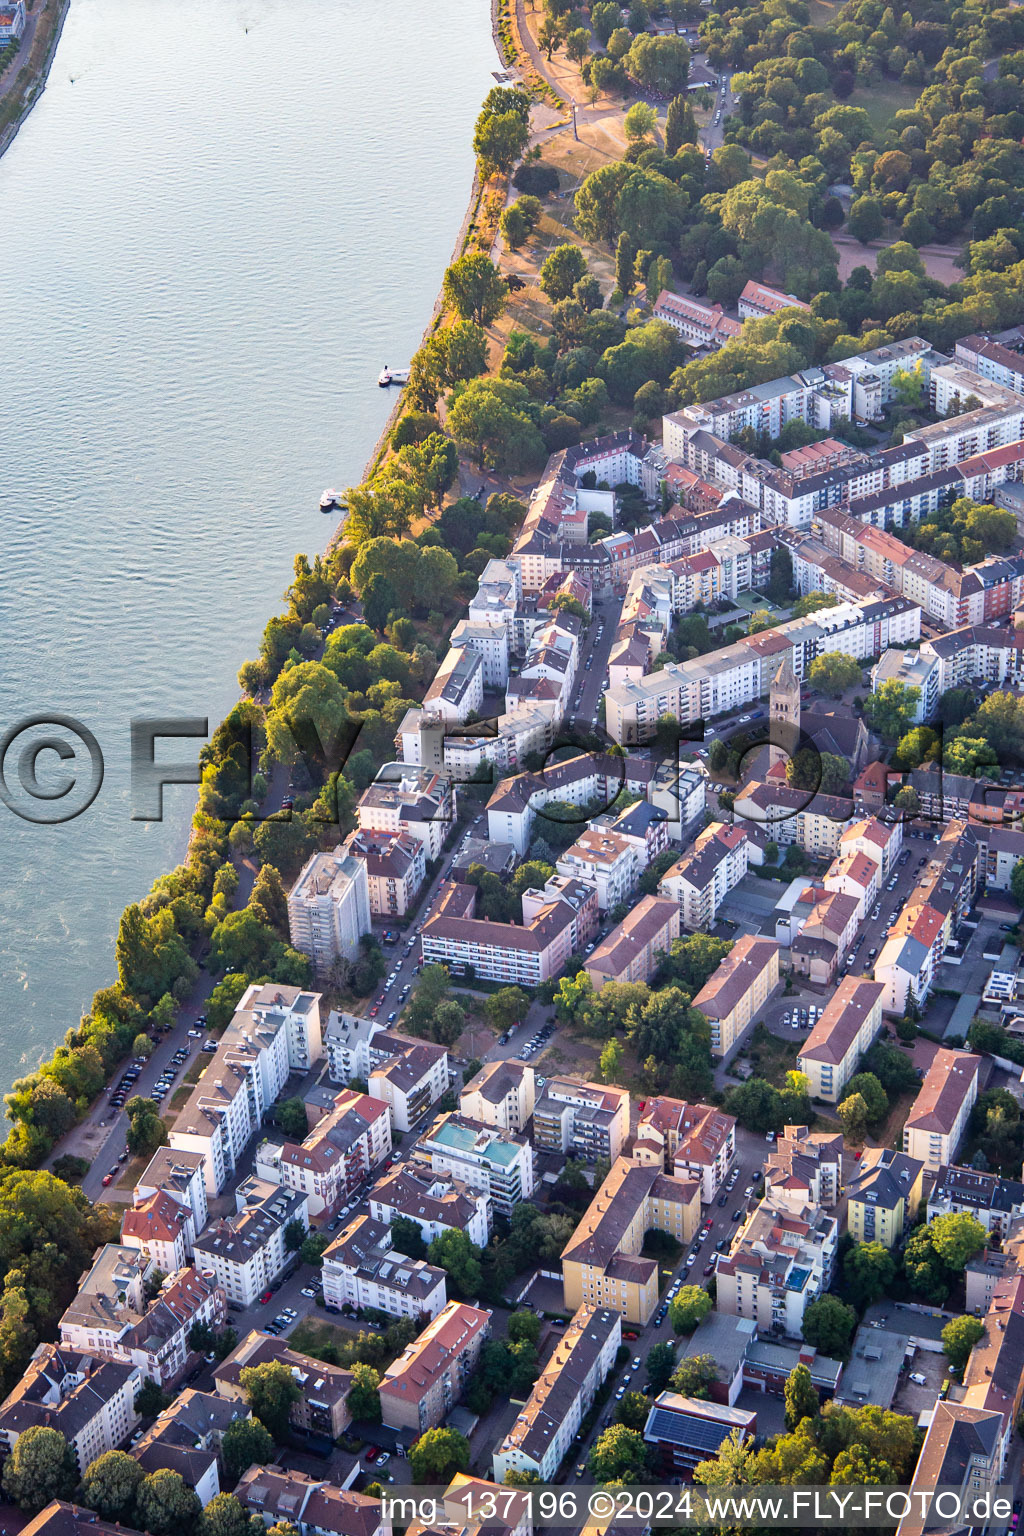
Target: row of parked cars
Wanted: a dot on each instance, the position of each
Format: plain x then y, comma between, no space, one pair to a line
537,1043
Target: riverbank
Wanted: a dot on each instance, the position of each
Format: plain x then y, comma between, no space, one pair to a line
25,78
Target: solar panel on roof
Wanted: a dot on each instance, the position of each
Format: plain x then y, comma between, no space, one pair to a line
681,1429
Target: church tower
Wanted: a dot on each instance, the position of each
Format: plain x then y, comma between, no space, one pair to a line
784,713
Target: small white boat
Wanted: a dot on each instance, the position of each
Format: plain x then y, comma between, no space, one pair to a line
328,501
392,376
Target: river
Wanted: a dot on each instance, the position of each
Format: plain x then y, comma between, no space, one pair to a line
218,223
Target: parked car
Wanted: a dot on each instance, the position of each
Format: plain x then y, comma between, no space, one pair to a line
919,1378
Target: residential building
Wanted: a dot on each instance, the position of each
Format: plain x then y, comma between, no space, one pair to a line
162,1229
247,1251
994,1201
12,21
457,690
687,1430
517,802
687,1140
110,1316
601,1263
780,1262
757,300
738,989
361,1269
702,325
703,877
314,1506
607,860
338,1153
633,949
543,1432
275,1031
883,1196
587,1120
503,952
186,1438
329,908
825,936
421,1387
501,1094
488,633
496,1161
396,867
929,919
848,1026
413,800
938,1116
436,1203
805,1168
88,1399
322,1404
412,1078
179,1174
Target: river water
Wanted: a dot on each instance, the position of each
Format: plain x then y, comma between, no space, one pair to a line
215,227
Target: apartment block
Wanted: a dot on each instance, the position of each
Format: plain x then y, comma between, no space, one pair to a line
633,949
848,1026
246,1251
501,1094
361,1269
187,1437
929,919
89,1400
329,908
421,1387
322,1405
396,867
601,1263
504,952
498,1162
734,994
314,1506
804,1168
883,1196
110,1317
938,1117
780,1262
996,1202
180,1175
275,1030
606,860
338,1153
543,1432
687,1140
412,1077
417,801
436,1203
587,1120
700,881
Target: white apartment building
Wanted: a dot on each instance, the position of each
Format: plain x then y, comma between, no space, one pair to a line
544,1431
516,803
275,1030
587,1120
362,1269
458,687
406,799
412,1077
338,1153
779,1263
605,859
90,1401
110,1316
329,908
501,1094
247,1251
162,1229
487,633
703,877
436,1203
498,1162
179,1174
